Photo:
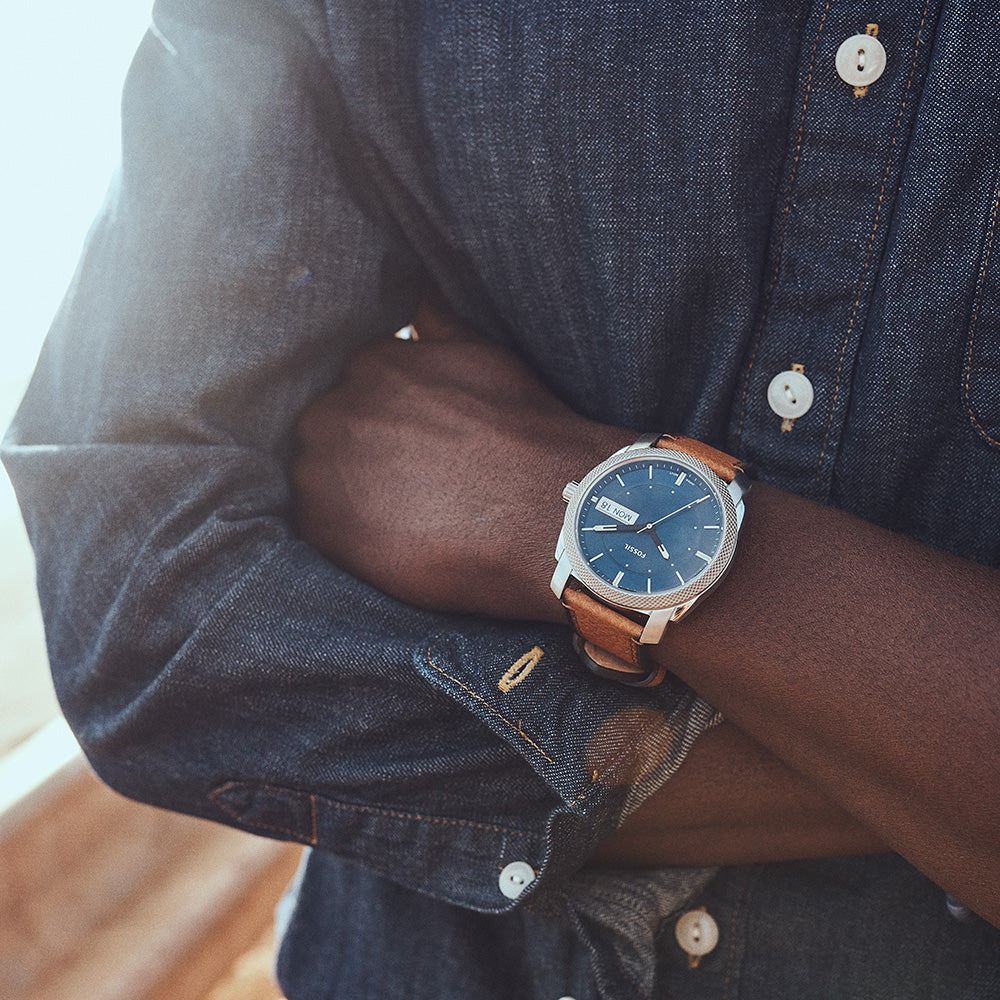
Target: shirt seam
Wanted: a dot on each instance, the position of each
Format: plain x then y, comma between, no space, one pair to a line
871,244
967,382
779,251
348,807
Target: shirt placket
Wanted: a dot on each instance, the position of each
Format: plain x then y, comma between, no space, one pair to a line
858,89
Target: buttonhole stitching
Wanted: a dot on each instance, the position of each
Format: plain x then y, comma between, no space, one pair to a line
517,728
520,670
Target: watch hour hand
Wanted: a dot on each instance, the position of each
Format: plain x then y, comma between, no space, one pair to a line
656,541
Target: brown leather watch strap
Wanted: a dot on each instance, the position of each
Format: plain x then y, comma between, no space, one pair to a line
609,641
603,625
724,466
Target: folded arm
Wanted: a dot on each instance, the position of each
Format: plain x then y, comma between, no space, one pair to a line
859,664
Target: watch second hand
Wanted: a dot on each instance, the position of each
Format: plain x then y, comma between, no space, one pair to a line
653,524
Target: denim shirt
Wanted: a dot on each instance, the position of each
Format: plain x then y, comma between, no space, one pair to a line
661,207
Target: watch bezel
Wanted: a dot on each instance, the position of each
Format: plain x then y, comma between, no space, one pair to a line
659,599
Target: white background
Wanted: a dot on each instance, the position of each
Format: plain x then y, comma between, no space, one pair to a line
60,84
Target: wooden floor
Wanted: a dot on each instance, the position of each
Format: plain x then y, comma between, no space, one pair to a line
105,899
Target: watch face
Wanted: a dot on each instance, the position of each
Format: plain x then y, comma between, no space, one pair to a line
650,525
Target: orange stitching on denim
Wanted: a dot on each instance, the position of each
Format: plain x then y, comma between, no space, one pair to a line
871,246
435,820
975,322
631,750
520,670
479,698
388,813
784,223
872,30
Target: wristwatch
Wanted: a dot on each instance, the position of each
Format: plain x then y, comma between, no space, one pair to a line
647,534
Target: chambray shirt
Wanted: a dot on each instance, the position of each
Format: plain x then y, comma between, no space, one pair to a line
661,207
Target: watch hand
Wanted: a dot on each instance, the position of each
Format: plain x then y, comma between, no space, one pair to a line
612,527
658,543
671,514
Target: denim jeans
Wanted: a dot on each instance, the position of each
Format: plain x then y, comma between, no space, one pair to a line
661,207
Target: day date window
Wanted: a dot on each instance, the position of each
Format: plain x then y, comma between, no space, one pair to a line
617,511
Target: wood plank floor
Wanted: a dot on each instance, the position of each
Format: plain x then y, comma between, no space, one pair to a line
107,899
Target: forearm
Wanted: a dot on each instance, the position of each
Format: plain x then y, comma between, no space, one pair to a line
733,802
861,659
867,662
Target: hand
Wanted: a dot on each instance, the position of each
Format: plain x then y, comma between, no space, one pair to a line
434,470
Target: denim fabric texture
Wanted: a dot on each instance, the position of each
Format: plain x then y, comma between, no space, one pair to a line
660,207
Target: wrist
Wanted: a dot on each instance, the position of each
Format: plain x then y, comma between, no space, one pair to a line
525,553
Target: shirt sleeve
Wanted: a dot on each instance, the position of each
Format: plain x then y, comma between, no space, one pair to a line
208,660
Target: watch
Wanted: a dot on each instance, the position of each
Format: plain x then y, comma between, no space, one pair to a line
647,534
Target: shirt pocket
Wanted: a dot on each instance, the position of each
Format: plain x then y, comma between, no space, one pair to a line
981,368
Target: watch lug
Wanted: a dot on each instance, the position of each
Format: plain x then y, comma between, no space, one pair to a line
676,614
739,487
561,575
646,441
657,622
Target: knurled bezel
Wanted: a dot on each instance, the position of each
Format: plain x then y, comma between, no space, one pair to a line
661,599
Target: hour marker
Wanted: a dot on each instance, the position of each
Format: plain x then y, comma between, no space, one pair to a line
598,556
650,472
701,555
680,479
618,578
649,585
707,526
619,478
679,577
593,499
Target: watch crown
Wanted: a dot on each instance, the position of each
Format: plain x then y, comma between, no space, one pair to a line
570,489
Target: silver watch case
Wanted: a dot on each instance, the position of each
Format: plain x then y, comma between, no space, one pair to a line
662,606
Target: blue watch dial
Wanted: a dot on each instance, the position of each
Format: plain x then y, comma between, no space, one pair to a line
651,525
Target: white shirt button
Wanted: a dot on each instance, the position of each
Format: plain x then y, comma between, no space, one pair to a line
515,878
697,933
790,394
861,60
